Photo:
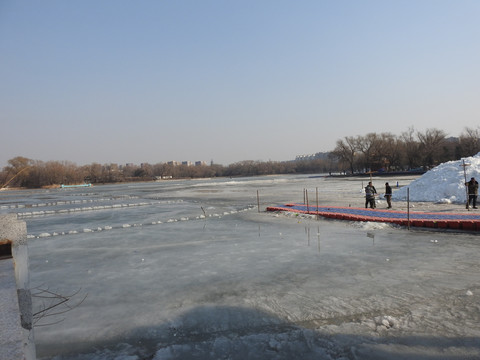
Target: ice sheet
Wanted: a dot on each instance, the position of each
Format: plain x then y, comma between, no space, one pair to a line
200,273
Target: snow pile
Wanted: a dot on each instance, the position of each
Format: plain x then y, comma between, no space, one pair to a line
443,184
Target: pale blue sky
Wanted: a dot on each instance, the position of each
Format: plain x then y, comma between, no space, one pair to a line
152,81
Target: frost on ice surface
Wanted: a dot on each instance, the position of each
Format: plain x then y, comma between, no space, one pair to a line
443,184
371,225
226,283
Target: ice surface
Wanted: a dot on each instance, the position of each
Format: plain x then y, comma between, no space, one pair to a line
200,273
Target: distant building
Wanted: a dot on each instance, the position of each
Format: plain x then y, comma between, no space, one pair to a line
187,163
303,157
319,155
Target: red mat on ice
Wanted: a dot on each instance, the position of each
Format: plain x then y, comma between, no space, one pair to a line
457,221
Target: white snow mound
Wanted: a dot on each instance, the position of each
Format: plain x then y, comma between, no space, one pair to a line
442,184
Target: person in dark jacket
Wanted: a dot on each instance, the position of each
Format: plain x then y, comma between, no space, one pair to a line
370,192
388,195
472,186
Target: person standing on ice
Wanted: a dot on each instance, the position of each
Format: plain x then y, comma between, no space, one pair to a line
472,192
370,192
388,195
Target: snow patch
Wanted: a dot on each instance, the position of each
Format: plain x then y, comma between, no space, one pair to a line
443,184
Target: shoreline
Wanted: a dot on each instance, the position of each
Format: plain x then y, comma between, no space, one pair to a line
354,198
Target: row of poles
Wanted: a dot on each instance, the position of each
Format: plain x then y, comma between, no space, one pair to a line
306,201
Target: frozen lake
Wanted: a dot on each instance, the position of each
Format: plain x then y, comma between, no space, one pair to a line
192,270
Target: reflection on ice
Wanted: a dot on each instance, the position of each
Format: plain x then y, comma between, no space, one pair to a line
198,272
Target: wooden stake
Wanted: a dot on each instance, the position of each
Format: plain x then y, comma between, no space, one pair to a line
466,186
306,197
408,208
258,202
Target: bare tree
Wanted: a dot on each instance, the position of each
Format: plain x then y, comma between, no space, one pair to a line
391,151
346,150
430,147
371,146
17,171
411,147
93,172
145,171
111,173
469,142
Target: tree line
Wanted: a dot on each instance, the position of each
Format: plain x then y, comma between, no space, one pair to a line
410,150
28,173
352,154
